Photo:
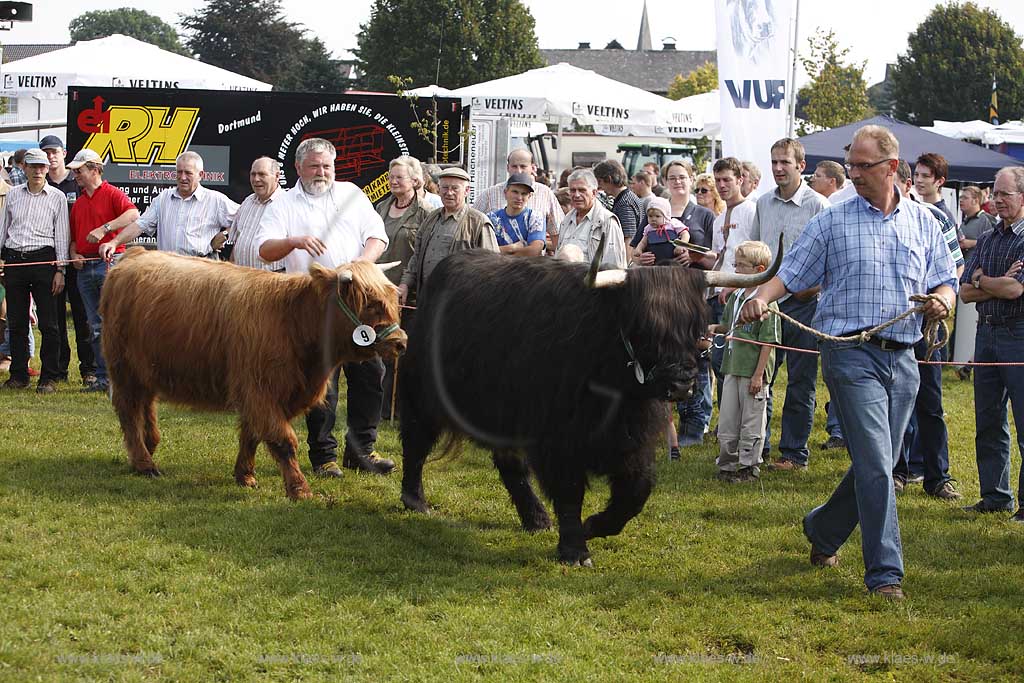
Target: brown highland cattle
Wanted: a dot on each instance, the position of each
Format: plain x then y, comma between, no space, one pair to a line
216,336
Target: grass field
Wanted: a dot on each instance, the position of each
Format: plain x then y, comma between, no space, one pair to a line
108,576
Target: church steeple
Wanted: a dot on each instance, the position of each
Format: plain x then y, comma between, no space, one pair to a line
643,42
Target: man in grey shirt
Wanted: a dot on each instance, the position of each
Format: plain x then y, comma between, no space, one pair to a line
785,212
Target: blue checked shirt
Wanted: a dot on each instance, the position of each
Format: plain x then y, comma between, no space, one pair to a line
995,251
869,265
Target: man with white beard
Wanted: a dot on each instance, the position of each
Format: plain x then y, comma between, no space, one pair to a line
331,223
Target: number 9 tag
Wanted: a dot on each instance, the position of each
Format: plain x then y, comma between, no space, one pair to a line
364,335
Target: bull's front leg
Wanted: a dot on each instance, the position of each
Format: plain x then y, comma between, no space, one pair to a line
283,450
630,490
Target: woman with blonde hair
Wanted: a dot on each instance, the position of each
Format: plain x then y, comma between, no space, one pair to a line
707,195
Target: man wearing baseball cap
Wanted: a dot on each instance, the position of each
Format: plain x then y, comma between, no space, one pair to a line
60,177
100,212
454,227
33,242
519,230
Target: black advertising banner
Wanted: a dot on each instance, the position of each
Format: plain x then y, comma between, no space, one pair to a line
140,132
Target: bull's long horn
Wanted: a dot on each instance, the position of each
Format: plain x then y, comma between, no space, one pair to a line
716,278
385,267
344,276
609,278
592,273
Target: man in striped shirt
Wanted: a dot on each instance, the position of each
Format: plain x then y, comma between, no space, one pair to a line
245,229
185,218
925,450
34,230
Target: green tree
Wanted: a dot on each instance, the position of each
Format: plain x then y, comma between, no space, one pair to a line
252,37
950,62
701,80
127,21
450,42
837,94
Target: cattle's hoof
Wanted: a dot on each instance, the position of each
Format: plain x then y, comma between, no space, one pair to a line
575,558
415,503
152,472
300,494
248,481
537,523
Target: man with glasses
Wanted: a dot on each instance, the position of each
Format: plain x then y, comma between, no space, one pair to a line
454,227
784,213
869,255
994,280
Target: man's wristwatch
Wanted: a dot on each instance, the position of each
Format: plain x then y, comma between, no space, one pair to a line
106,228
60,269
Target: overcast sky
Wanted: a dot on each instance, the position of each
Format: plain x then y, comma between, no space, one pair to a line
874,30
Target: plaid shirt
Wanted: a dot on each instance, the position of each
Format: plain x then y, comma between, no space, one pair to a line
995,252
869,265
542,200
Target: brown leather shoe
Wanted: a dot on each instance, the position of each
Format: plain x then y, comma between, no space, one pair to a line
947,492
783,465
820,559
15,384
891,592
372,463
47,387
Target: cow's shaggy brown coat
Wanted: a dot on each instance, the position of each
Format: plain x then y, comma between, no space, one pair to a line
216,336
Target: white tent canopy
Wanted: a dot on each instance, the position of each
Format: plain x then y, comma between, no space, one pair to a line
562,92
117,61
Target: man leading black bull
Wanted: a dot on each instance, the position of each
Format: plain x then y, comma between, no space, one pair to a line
591,359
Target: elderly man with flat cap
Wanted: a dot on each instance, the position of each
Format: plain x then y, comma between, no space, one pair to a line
454,227
519,229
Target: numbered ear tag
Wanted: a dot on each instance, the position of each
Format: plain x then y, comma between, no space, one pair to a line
639,372
364,335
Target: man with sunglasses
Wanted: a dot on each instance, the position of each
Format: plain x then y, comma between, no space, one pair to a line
870,255
994,280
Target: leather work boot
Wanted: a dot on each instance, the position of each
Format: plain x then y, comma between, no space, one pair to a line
372,463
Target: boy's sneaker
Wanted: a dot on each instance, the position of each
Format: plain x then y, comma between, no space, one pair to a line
32,372
673,453
746,474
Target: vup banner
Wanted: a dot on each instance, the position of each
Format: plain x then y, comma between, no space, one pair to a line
753,78
140,132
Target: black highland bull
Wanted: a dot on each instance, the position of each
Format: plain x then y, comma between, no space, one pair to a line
537,359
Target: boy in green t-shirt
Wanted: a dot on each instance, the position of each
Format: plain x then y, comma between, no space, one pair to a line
748,372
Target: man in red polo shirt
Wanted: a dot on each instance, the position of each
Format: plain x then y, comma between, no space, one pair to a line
100,212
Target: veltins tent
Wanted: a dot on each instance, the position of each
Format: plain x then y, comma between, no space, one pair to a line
561,92
117,61
967,162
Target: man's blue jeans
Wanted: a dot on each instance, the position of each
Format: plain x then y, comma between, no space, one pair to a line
873,392
801,384
90,286
993,386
